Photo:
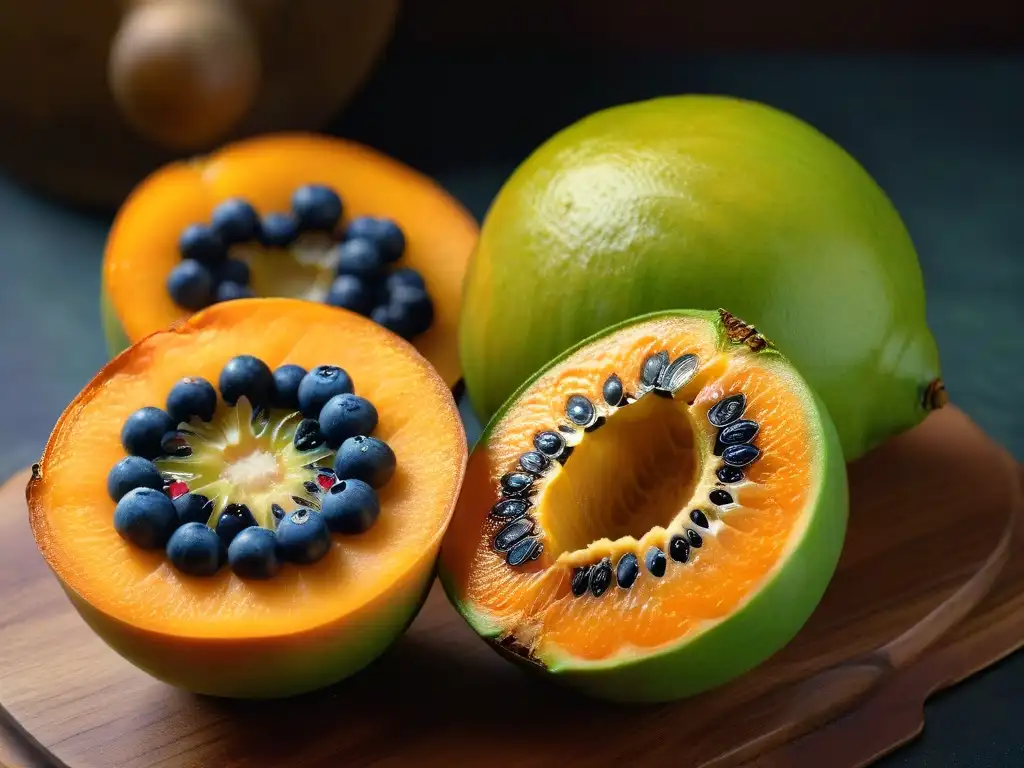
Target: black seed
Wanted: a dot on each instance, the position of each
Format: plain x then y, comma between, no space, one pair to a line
600,577
234,519
720,498
260,419
276,511
655,562
699,518
511,533
307,435
516,483
527,549
627,570
695,540
580,580
175,444
729,474
726,411
304,502
740,455
509,509
598,423
580,410
678,374
612,390
534,461
742,431
566,429
551,444
311,487
679,549
720,447
653,369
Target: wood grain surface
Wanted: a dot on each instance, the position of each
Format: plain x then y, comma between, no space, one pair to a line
923,597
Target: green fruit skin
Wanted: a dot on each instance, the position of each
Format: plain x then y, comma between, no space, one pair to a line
704,201
746,638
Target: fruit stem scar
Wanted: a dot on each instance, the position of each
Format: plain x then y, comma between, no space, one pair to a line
740,332
935,395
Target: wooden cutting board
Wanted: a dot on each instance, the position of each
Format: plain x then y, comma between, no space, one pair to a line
930,589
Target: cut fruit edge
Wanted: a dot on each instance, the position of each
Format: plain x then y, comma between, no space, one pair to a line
201,326
803,568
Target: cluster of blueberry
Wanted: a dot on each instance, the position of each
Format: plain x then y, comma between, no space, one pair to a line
366,281
157,510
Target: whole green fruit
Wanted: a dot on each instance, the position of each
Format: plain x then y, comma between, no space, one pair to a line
705,201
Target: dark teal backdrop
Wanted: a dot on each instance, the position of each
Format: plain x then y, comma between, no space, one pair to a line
944,136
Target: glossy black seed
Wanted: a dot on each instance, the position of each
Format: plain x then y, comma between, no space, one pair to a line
534,462
143,431
307,435
596,424
175,444
190,285
317,207
260,419
303,501
627,570
285,392
580,410
580,580
726,411
719,497
192,396
679,373
509,509
279,230
742,431
233,520
198,242
600,577
699,518
679,549
655,562
729,474
277,511
246,376
235,221
612,390
528,548
740,455
512,533
311,487
516,483
565,428
654,369
193,508
695,540
551,444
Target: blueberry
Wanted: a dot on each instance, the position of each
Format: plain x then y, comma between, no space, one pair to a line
279,230
200,243
233,520
247,376
303,536
387,316
145,517
195,549
133,472
413,308
384,233
345,416
361,259
350,506
193,508
317,207
192,396
285,393
405,276
190,285
144,430
233,271
320,385
253,554
235,221
406,320
351,293
367,459
229,291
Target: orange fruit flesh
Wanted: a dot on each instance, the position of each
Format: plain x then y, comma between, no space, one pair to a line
142,247
72,515
628,486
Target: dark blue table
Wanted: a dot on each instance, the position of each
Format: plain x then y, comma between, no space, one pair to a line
945,138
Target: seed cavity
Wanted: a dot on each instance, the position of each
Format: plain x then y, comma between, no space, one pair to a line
510,535
534,462
679,549
601,577
612,391
509,509
653,370
655,562
526,549
627,570
740,455
726,411
742,431
699,518
679,373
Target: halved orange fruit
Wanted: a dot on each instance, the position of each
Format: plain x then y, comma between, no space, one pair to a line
323,607
655,512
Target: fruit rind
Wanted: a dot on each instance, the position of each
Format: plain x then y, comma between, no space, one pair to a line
767,620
